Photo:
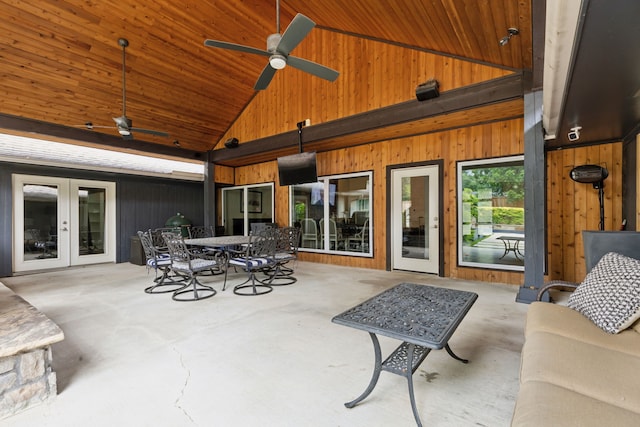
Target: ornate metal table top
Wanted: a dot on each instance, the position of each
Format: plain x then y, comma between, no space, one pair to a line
420,314
218,241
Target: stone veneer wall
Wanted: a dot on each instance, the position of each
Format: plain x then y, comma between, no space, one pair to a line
26,335
26,380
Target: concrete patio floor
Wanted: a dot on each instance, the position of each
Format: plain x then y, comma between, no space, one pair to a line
133,359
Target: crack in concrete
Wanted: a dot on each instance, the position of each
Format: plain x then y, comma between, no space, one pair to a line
184,387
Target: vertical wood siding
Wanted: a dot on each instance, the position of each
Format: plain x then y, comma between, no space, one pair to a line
371,77
573,207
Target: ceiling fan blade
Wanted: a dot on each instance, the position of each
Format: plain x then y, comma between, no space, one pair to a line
313,68
297,30
236,47
149,131
265,77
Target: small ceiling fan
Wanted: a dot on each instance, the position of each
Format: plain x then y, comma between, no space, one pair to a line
123,123
278,48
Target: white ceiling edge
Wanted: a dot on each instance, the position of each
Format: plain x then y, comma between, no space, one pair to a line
560,33
19,149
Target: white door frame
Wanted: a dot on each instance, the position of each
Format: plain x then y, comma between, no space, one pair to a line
68,245
432,264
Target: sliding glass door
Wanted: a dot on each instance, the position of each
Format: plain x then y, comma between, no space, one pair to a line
246,205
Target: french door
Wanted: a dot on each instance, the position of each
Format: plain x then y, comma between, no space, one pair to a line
415,222
60,222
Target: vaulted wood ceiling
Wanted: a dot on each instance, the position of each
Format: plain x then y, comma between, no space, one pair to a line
61,62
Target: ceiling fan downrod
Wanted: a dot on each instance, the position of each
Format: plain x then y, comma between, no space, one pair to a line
124,43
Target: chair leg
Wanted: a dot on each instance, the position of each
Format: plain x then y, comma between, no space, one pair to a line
193,291
280,276
255,289
165,283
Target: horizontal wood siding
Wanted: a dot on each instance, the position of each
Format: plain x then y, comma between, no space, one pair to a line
223,175
488,140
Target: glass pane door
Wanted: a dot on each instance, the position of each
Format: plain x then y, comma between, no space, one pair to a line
91,212
41,231
415,222
61,222
92,219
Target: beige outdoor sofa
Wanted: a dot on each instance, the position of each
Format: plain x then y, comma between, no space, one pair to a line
573,372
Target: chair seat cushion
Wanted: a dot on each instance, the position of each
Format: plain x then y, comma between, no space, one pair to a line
284,256
160,261
195,265
251,262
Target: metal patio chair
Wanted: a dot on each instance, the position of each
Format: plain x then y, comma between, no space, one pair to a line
190,264
157,257
257,256
287,241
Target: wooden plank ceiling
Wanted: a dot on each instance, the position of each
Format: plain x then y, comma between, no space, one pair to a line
61,62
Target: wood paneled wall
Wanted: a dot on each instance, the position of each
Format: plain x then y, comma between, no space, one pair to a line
381,82
224,175
573,207
489,140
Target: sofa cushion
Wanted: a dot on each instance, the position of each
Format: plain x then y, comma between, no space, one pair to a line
563,321
596,372
543,404
610,294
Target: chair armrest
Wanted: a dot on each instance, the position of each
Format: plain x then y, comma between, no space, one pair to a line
555,284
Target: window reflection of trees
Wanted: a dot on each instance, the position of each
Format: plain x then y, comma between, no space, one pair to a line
491,213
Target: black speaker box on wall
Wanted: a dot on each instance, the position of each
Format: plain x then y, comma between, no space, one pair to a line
231,143
427,90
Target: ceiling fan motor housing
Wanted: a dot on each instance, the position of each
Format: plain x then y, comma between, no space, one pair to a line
273,41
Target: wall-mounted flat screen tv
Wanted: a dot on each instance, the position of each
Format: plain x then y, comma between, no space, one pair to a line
297,168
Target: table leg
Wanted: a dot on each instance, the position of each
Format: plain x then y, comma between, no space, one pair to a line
452,354
517,251
376,372
507,247
409,375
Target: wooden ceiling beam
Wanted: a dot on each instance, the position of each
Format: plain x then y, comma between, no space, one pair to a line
493,91
22,125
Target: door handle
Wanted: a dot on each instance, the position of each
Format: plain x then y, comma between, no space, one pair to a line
65,229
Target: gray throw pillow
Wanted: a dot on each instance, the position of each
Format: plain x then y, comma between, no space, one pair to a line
610,294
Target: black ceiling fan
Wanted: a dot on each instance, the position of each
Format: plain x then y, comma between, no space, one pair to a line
278,48
123,123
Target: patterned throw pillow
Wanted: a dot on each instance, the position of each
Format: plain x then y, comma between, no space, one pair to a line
610,294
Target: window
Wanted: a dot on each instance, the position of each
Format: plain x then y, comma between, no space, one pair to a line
334,214
491,213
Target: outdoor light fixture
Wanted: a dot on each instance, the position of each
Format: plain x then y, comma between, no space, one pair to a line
277,61
510,33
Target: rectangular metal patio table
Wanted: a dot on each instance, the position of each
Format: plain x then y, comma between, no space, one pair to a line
223,243
423,317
